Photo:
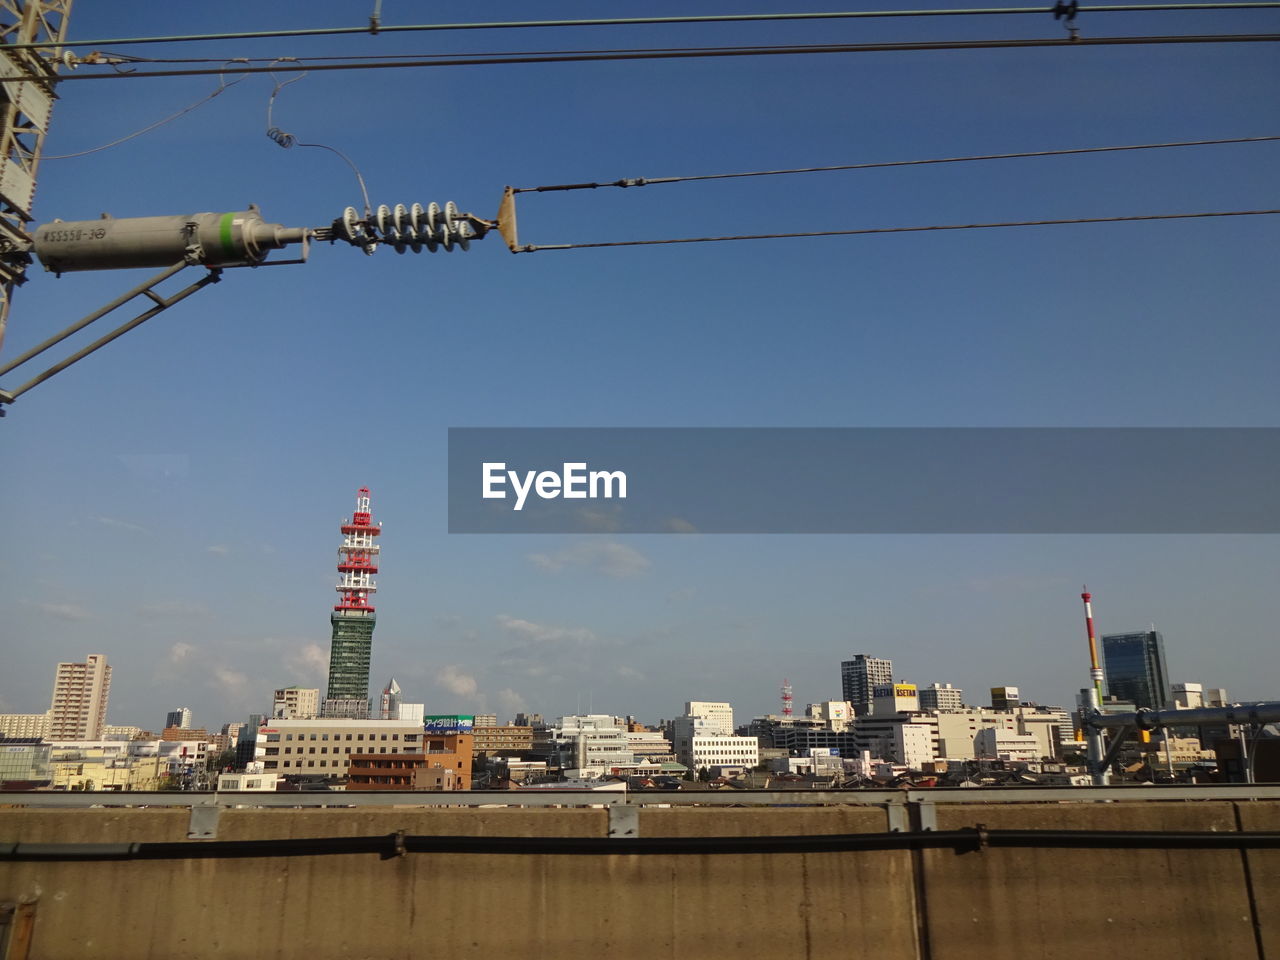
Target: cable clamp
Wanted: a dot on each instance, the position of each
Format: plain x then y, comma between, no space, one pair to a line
983,837
1067,13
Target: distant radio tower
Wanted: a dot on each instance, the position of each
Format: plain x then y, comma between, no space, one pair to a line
1095,671
786,697
353,616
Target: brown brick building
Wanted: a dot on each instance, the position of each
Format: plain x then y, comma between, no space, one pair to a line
445,764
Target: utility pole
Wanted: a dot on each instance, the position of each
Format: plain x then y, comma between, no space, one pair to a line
27,80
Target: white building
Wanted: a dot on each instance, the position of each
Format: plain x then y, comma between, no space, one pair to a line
80,693
649,744
993,744
120,731
909,739
719,715
321,746
295,703
589,745
253,778
836,715
27,725
1188,696
716,750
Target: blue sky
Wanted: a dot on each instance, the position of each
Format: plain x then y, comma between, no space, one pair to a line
173,501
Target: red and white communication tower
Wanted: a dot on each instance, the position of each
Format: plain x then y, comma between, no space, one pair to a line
786,697
358,559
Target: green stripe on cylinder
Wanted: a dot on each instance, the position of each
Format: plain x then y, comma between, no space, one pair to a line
224,234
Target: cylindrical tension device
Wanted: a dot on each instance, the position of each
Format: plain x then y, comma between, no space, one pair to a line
241,238
237,239
1248,713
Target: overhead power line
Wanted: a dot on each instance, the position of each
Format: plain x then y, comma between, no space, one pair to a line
696,53
646,181
378,28
535,248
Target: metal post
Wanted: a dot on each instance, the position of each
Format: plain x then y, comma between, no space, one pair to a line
1097,752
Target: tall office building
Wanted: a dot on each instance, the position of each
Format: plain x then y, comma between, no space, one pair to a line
1135,669
180,718
80,691
859,678
938,696
353,617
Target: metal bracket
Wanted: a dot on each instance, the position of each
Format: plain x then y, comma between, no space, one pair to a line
145,289
204,821
899,820
926,815
624,821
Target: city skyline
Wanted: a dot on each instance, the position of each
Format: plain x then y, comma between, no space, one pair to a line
1117,647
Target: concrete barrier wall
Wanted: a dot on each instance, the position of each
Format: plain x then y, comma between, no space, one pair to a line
993,903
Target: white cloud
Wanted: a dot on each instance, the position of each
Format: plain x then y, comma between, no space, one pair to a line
679,525
229,681
64,611
180,651
540,650
510,703
221,549
308,661
121,524
173,609
545,636
630,673
607,557
456,682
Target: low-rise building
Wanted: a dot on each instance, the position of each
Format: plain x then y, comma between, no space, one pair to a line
704,752
505,741
993,744
322,746
443,764
24,762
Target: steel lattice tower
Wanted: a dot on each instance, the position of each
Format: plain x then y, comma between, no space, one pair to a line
353,617
26,99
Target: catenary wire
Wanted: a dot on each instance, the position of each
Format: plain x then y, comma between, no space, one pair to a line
288,140
643,21
534,248
646,181
699,53
223,85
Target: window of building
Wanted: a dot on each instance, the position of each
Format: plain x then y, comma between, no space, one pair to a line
313,736
324,736
311,749
273,737
348,736
311,763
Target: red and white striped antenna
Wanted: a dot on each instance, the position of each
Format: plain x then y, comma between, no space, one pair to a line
358,558
786,697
